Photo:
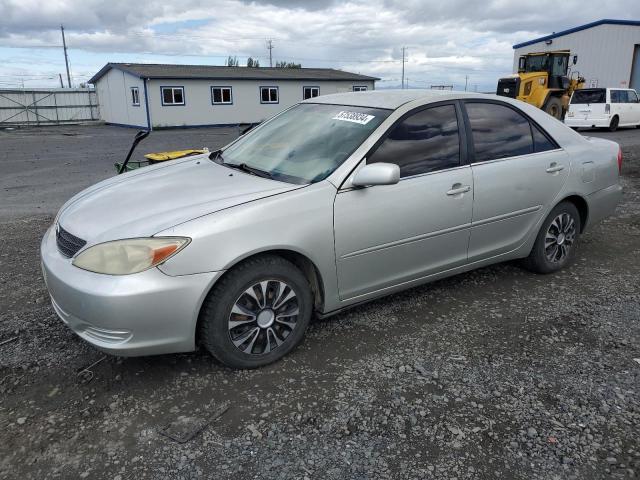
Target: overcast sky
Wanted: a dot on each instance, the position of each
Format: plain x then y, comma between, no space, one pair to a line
445,40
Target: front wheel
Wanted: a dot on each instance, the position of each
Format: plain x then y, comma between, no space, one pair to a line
257,313
555,244
554,107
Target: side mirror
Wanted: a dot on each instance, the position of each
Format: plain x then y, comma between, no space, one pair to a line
377,174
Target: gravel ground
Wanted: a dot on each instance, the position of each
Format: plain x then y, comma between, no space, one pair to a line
498,373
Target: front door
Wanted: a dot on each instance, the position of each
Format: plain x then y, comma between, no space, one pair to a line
388,235
518,171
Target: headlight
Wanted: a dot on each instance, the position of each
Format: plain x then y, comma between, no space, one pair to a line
122,257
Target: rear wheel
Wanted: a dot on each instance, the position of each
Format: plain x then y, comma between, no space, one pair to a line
554,107
556,241
613,126
257,313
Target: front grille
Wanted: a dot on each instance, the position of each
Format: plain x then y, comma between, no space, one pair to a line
68,244
508,87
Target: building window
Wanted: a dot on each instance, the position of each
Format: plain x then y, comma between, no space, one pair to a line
268,94
172,95
360,88
135,97
310,92
221,96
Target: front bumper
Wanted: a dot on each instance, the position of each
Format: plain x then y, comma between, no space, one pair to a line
146,313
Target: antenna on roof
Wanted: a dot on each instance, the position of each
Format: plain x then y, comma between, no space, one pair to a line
270,47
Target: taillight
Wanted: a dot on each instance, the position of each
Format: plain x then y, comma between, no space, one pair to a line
607,109
620,161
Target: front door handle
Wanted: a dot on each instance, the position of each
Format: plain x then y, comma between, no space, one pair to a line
457,189
554,167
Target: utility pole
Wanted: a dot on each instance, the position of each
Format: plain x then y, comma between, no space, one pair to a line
61,83
403,50
466,81
270,47
66,57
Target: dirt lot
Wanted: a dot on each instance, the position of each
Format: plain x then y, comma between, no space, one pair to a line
497,373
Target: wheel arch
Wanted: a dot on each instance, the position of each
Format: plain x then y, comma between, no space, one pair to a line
583,208
308,268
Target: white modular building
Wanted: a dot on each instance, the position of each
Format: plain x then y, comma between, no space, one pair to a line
160,96
606,52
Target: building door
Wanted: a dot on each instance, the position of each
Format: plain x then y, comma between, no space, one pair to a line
635,70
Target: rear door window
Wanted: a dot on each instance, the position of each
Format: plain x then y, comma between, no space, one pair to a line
633,96
498,131
590,95
423,142
616,96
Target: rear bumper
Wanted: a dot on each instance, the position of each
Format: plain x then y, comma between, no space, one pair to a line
576,122
603,203
146,313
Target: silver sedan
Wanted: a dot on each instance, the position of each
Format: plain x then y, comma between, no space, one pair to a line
336,201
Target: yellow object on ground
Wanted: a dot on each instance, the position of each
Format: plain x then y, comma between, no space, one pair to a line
162,156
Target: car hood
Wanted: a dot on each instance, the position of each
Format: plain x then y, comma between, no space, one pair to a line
151,199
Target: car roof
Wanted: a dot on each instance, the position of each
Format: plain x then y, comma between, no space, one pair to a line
393,99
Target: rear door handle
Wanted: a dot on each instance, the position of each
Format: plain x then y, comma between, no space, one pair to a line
554,167
457,189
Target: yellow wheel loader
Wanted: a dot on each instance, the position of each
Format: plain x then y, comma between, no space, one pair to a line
543,80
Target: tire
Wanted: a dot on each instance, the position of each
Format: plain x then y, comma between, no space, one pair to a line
554,107
564,219
613,126
251,296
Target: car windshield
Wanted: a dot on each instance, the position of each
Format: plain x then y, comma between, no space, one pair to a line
306,143
591,95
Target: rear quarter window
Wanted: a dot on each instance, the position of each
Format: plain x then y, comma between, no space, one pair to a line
592,95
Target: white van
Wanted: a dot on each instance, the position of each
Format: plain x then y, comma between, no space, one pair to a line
603,107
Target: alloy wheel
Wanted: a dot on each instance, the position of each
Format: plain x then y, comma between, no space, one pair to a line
263,317
559,238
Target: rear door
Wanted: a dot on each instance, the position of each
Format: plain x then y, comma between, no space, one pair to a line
392,234
518,171
634,107
619,105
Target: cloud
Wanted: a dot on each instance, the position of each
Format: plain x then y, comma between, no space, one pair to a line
446,41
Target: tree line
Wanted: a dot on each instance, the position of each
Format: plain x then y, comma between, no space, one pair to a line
232,61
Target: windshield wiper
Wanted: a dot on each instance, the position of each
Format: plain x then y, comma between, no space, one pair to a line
246,168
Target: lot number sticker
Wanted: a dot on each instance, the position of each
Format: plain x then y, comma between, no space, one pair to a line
355,117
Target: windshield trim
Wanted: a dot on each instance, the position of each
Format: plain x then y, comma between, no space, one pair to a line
307,102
